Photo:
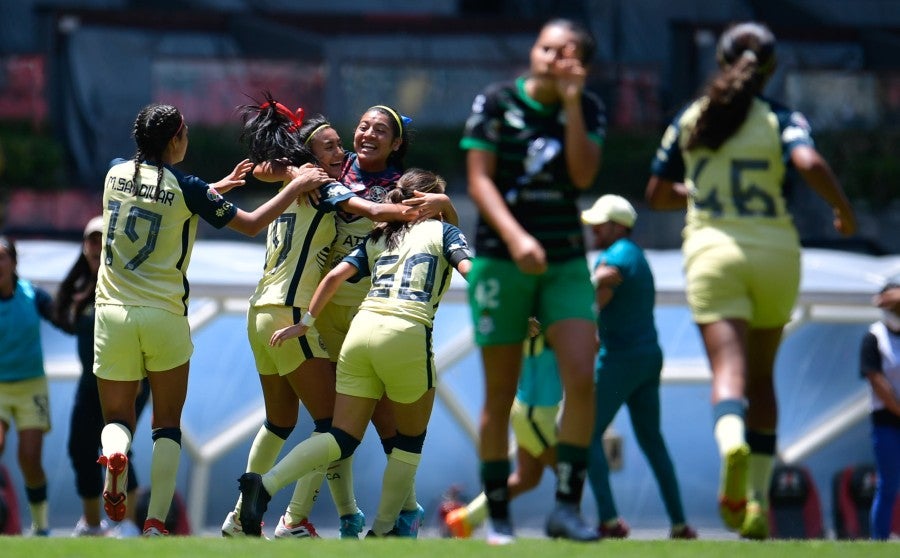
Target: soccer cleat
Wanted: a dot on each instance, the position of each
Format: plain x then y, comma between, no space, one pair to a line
231,527
302,530
756,522
352,525
409,521
255,501
457,523
373,535
114,493
618,530
125,530
154,528
565,522
499,532
685,532
40,531
82,529
733,495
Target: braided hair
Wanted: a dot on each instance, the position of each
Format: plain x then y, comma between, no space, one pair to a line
746,55
273,133
154,127
413,180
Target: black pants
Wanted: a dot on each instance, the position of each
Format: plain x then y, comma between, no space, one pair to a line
85,426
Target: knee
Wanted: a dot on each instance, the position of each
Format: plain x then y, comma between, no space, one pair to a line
345,442
410,444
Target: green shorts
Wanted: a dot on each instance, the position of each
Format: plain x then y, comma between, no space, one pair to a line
502,298
262,322
130,341
752,283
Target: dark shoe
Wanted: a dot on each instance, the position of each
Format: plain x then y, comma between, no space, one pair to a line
617,531
683,532
255,500
372,535
565,522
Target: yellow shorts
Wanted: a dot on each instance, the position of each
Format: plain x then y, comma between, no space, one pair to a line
756,284
262,321
26,404
129,341
333,323
386,354
534,426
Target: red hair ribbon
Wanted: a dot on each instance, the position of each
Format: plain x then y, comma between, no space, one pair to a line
295,117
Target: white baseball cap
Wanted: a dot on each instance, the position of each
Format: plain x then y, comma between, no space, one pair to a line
94,225
610,208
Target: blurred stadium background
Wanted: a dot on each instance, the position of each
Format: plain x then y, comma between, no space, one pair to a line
73,74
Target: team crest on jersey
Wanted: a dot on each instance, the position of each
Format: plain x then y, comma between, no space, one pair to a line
514,119
485,324
377,193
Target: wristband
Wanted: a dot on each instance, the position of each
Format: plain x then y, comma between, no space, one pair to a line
307,320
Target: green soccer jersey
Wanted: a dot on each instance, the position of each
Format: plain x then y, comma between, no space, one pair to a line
149,232
529,139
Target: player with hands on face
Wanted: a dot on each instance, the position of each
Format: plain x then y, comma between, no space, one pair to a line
532,145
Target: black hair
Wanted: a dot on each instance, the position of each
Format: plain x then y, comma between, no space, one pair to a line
746,55
400,129
10,246
586,42
413,180
155,125
272,135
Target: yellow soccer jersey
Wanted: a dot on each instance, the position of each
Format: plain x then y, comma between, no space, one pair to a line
148,235
737,190
297,246
410,280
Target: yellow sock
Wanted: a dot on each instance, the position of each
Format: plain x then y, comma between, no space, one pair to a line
760,467
399,477
477,510
729,433
163,474
314,452
340,483
115,438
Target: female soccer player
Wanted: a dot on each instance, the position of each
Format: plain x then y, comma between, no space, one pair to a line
298,244
74,313
387,352
24,400
532,144
726,157
150,216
